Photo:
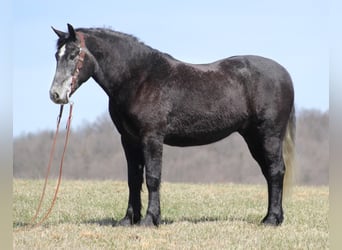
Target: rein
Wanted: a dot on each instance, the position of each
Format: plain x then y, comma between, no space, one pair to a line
32,223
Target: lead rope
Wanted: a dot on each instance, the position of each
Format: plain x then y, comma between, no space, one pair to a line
31,223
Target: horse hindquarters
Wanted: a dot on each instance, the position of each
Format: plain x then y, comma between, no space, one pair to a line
272,118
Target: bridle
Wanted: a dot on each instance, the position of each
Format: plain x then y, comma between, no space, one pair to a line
80,61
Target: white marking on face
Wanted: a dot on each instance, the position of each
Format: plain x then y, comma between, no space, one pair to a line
61,51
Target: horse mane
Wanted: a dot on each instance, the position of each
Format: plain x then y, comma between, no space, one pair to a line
108,33
105,33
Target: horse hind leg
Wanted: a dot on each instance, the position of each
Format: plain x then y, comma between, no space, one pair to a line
267,151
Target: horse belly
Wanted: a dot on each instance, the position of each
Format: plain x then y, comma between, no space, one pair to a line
194,139
199,133
206,121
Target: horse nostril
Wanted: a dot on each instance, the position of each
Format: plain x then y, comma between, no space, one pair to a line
55,96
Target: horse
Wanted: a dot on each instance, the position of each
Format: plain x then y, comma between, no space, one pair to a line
155,99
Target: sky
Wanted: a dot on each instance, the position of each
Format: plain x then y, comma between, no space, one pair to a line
294,33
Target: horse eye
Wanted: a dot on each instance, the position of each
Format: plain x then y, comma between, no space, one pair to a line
73,55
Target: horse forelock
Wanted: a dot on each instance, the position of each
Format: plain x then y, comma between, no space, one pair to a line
60,42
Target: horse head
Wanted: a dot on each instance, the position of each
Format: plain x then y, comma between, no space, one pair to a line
73,65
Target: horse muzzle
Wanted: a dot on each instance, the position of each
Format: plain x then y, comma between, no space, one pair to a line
60,95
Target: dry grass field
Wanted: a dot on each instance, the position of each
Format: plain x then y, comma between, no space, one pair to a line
194,216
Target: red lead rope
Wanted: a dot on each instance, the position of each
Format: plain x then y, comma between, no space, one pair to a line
32,223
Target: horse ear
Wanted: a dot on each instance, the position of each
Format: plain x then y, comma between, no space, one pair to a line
59,33
72,33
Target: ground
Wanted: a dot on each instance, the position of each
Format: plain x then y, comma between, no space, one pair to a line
194,216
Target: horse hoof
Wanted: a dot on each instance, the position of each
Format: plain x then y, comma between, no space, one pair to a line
148,221
125,222
272,220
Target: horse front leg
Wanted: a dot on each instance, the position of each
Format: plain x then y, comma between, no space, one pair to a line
153,150
135,166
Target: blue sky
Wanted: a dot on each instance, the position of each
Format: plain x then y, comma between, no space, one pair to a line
294,33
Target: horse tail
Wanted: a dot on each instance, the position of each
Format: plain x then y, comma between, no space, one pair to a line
289,152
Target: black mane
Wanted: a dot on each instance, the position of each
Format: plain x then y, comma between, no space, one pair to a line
104,33
107,33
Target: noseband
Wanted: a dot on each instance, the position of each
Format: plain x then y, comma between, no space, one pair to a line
80,61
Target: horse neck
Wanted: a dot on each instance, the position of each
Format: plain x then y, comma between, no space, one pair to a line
115,62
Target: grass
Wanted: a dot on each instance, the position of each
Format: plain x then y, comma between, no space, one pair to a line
194,216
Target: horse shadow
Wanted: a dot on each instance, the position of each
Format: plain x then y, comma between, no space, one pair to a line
109,221
249,220
19,225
